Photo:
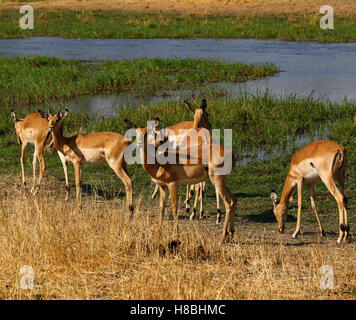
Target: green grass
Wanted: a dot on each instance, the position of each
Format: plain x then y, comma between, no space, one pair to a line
116,24
40,79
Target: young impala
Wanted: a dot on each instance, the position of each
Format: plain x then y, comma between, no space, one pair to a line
320,160
99,147
188,168
34,130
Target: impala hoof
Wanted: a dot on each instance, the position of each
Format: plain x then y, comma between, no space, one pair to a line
295,235
34,191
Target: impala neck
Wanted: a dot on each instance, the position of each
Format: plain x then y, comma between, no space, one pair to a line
58,139
287,190
151,168
197,118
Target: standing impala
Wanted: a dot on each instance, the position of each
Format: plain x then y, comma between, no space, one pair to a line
34,130
186,171
320,160
99,147
175,134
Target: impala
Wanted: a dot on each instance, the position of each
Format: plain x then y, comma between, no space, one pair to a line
175,136
99,147
34,130
320,160
186,171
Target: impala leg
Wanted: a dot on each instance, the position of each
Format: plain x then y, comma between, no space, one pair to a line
155,191
78,182
341,201
218,208
122,173
174,203
23,152
341,183
188,197
163,195
34,163
40,157
230,206
65,169
203,187
300,201
312,200
201,192
347,227
194,213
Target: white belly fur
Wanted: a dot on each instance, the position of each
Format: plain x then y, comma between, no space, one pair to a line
312,175
93,155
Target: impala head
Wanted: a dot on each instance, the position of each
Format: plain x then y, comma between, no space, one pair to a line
18,126
200,115
280,212
53,119
141,133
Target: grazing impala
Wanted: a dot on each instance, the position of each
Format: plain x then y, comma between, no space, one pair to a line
186,171
99,147
320,160
34,130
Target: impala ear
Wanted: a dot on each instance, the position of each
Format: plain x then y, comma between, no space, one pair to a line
157,122
62,113
43,114
191,108
274,198
13,116
129,124
203,105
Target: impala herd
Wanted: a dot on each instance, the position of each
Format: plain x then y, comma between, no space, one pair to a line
320,160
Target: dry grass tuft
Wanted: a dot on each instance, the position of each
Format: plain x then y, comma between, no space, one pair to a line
98,252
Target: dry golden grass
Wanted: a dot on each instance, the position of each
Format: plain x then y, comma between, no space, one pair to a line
97,252
245,7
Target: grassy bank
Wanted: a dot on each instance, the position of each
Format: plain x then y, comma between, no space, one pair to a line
25,81
120,24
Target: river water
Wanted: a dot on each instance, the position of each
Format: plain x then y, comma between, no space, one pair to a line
326,71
